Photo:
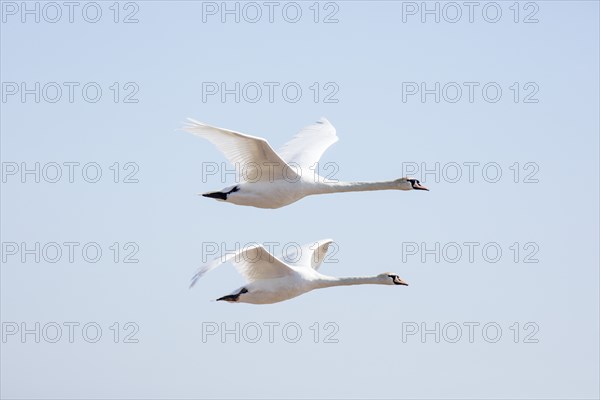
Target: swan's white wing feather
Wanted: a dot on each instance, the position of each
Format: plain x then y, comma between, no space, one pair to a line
307,147
252,262
249,154
310,255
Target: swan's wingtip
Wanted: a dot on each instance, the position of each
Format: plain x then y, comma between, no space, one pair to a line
194,281
190,124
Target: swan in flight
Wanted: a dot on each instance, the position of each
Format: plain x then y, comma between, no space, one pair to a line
270,179
271,280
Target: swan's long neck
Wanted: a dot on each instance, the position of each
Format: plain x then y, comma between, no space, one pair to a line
329,281
339,187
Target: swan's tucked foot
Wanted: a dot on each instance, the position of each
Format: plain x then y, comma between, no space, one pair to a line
221,195
233,297
216,195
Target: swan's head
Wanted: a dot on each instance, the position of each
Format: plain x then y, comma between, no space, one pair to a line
410,184
389,278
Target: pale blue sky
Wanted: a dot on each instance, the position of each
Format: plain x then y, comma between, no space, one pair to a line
369,53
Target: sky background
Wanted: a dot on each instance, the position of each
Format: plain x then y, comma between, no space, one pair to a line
367,55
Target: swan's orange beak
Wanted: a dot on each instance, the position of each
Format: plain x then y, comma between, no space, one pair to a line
418,186
398,281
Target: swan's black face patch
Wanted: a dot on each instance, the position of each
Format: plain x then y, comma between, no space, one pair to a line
221,195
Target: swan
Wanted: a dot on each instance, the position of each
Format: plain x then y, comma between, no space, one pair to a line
270,179
271,280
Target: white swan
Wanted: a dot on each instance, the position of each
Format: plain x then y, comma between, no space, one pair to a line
272,179
271,280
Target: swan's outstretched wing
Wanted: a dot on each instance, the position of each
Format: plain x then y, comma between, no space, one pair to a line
307,147
252,262
254,158
310,255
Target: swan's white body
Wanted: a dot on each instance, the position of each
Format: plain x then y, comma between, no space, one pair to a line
270,179
271,280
